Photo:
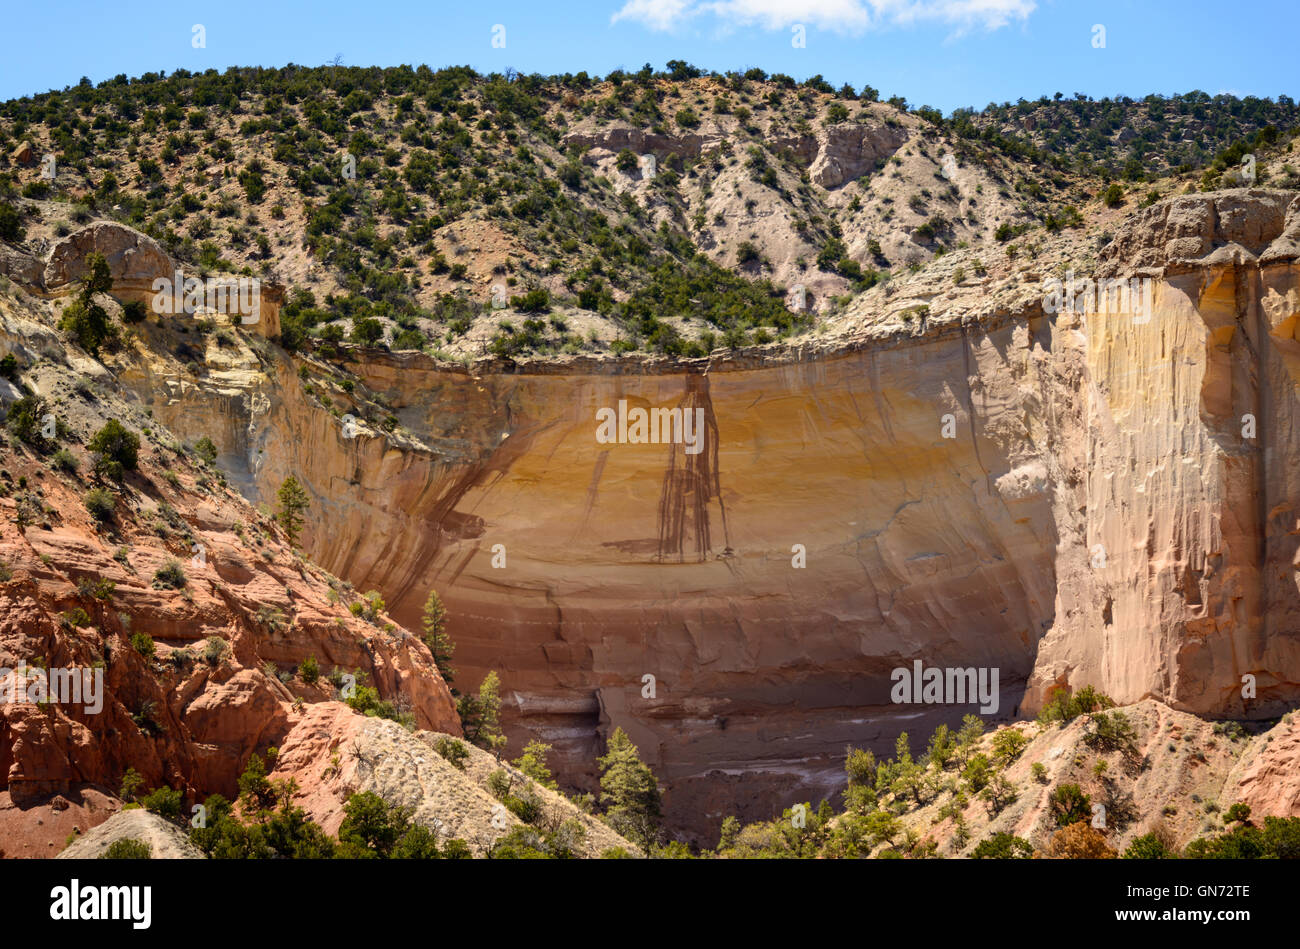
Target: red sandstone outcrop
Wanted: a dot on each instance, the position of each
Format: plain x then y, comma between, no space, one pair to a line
222,680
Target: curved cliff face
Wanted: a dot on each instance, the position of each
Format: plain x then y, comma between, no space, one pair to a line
1065,497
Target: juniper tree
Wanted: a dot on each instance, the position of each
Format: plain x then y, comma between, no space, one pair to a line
86,319
116,450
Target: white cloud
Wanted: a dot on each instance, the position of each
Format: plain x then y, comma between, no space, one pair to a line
965,14
844,15
656,14
847,16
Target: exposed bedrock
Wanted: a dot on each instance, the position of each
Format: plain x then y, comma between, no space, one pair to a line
1100,499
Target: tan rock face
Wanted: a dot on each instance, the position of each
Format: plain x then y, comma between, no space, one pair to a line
1068,499
135,261
848,150
837,154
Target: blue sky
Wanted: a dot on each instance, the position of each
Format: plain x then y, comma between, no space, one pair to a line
945,53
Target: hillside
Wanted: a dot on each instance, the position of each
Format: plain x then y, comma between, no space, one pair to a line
673,212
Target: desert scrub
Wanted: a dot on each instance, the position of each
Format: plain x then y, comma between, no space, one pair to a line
127,848
170,576
100,503
454,750
74,618
65,461
214,650
97,589
309,669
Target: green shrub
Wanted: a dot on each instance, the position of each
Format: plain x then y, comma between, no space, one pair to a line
537,300
206,449
533,763
373,828
75,618
1008,744
143,644
164,802
1111,732
127,848
64,460
85,319
1237,812
131,785
454,750
309,669
25,420
170,576
1278,839
978,772
214,649
11,224
1063,706
1068,804
498,783
1149,847
117,450
1003,846
101,503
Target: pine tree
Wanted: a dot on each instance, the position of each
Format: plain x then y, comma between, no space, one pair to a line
293,501
435,636
489,706
729,833
533,763
480,715
629,791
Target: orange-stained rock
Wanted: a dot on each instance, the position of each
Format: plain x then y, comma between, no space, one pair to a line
223,680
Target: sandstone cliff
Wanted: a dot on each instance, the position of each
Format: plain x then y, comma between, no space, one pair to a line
1066,497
